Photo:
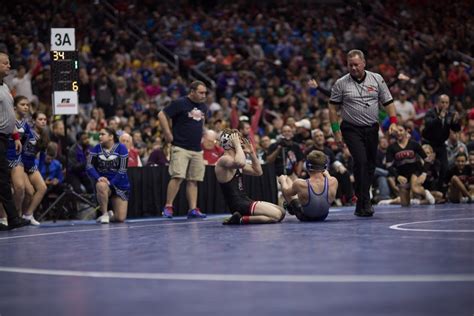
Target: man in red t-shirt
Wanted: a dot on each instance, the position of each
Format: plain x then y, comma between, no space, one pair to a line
133,155
211,151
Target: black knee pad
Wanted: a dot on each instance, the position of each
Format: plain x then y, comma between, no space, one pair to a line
294,207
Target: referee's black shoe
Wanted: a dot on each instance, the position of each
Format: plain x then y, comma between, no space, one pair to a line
17,223
364,211
14,223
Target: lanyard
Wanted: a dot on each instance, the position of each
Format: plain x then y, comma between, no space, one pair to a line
360,92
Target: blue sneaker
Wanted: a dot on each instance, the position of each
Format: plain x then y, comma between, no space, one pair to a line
167,212
196,213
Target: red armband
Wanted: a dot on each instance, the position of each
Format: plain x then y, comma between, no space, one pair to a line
16,136
393,120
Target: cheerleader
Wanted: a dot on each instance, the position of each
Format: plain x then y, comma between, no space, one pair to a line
107,166
458,180
19,179
35,187
21,105
404,161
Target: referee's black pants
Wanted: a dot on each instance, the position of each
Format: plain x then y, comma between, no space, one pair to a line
5,185
362,142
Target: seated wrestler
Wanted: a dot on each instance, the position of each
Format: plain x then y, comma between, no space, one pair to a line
229,170
310,199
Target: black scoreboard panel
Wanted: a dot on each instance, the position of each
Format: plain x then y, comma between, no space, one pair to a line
64,70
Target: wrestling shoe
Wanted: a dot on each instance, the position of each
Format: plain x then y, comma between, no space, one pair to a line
167,212
196,213
233,220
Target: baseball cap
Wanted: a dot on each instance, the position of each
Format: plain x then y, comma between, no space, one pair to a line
305,123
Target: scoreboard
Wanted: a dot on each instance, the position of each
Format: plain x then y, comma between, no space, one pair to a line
64,71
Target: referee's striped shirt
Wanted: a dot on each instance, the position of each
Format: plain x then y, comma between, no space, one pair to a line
359,100
7,112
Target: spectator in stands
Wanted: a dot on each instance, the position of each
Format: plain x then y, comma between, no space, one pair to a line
98,115
85,93
158,156
105,94
262,151
439,121
470,142
421,107
286,155
51,169
458,178
22,82
133,155
454,146
211,150
303,131
187,115
58,136
471,178
404,108
77,160
246,127
458,79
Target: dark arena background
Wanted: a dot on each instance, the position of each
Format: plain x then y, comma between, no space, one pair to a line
124,62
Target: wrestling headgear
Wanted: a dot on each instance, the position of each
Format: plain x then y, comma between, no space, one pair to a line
316,167
225,141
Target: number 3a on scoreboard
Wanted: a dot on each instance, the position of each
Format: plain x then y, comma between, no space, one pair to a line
58,55
75,87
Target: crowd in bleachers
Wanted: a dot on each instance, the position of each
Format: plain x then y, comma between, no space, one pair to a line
261,57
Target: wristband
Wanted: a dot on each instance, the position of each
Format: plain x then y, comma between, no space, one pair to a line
393,120
335,127
16,136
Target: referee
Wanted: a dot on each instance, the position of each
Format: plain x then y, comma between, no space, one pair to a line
7,130
358,94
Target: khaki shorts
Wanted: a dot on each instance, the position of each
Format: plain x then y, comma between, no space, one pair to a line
186,164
